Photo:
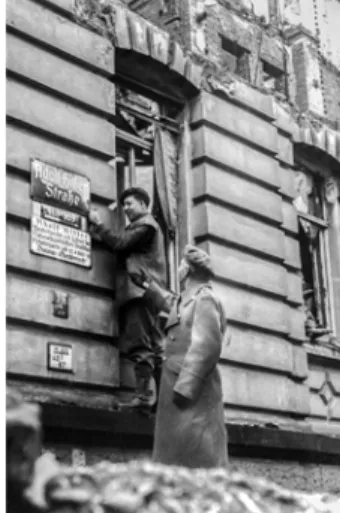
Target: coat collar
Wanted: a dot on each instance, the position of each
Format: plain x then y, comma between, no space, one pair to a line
190,294
184,299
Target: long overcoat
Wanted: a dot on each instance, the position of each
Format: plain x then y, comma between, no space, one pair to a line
191,434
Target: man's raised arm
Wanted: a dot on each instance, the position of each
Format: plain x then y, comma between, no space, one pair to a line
125,241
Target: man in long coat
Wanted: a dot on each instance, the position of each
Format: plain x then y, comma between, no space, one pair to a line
190,428
139,246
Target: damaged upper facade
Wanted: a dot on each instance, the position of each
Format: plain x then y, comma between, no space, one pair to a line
288,47
312,31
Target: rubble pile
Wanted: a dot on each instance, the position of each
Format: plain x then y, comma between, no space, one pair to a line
37,484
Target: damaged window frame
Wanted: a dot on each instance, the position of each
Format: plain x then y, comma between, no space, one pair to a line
238,52
275,74
132,148
319,321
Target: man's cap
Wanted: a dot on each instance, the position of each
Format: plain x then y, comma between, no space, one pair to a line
198,259
138,193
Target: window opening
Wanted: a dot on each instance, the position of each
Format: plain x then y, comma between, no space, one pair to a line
235,58
312,238
137,119
273,78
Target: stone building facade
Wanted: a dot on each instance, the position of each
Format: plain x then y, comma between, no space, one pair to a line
228,113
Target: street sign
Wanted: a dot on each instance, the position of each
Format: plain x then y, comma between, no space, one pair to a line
59,224
54,185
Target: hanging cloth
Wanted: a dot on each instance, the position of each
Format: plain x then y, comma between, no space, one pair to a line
166,179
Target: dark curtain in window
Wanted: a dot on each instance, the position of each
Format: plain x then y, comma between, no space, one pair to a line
165,168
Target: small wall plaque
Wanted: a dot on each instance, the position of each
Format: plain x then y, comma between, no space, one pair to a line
60,304
59,357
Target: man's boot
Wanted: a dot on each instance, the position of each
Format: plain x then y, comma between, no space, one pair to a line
144,397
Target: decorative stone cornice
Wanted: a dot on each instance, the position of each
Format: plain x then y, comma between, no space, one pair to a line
317,134
294,32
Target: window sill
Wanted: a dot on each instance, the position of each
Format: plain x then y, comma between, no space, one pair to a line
326,346
69,424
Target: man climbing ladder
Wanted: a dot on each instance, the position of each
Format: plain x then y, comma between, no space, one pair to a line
139,246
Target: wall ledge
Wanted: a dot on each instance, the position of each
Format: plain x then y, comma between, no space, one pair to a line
66,422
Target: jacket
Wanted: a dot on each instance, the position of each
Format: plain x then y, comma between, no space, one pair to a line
139,246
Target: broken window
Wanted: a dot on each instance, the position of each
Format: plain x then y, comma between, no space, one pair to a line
147,134
235,58
309,203
273,78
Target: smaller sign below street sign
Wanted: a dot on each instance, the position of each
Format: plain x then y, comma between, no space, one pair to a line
59,357
60,240
63,216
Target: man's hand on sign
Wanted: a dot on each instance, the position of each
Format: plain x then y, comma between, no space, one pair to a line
113,206
94,217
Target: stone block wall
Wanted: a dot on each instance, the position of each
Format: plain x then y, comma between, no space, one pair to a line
58,113
300,92
309,87
331,79
242,173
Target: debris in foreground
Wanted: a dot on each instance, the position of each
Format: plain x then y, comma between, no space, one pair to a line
40,484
